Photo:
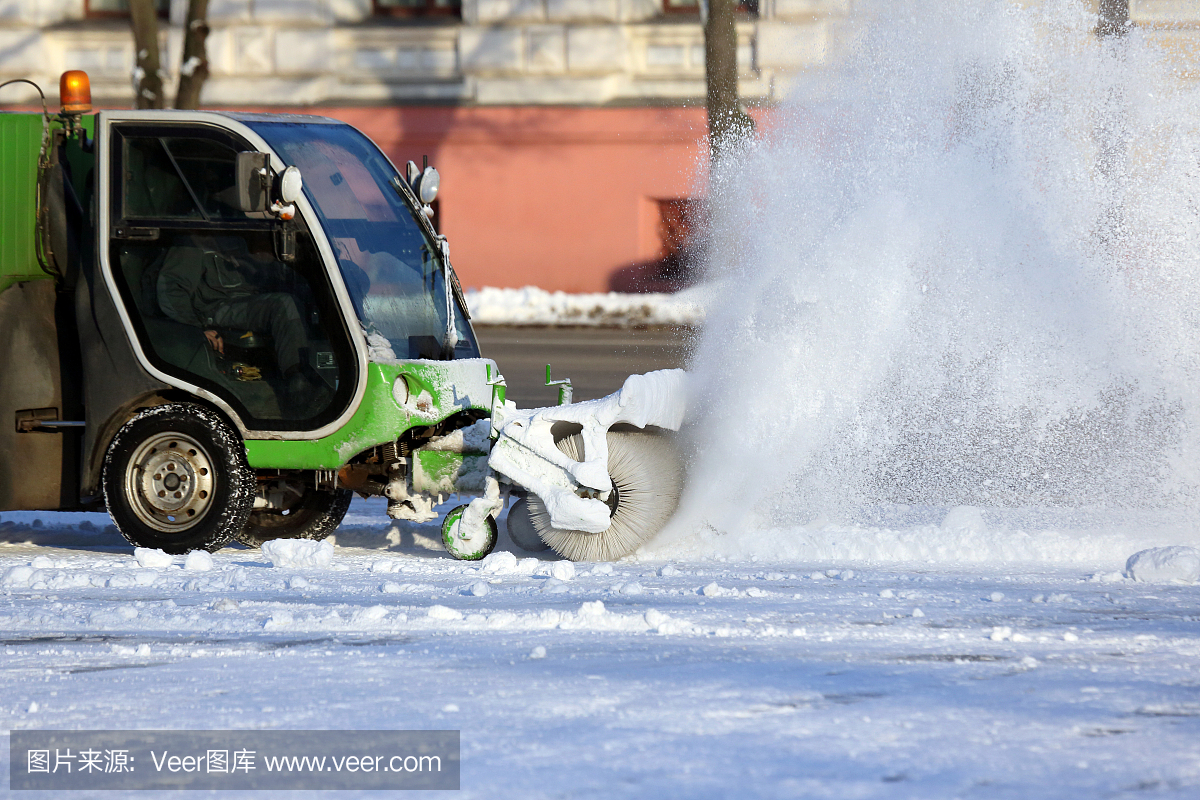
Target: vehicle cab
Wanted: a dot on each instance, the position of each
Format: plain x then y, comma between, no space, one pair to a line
245,317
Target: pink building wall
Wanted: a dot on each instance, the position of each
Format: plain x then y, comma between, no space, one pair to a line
552,197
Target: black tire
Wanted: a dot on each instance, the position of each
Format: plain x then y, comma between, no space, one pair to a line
314,516
521,530
176,479
647,474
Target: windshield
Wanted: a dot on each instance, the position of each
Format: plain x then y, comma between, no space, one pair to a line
392,268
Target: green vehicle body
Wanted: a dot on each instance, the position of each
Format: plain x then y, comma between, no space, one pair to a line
79,360
20,142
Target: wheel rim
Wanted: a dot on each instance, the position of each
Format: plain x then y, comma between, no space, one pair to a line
477,547
169,482
452,537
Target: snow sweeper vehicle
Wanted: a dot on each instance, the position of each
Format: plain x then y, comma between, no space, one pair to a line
219,326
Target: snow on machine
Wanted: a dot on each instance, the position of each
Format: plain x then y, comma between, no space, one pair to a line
219,326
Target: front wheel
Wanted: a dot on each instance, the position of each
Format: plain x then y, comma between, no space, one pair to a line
467,545
176,479
314,515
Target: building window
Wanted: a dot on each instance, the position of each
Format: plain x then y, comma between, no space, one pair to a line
418,8
749,7
680,225
120,8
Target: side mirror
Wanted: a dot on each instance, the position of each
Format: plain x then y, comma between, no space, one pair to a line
252,176
426,187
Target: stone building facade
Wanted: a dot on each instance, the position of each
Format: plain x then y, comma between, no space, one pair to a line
486,52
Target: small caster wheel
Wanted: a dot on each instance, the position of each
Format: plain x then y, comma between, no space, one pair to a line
467,545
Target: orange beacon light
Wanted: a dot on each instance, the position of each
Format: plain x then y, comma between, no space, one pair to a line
75,92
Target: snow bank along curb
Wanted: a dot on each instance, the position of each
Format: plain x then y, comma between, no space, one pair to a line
533,306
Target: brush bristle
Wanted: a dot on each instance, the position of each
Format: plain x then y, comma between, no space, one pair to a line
648,475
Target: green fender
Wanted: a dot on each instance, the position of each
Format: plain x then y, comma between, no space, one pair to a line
430,392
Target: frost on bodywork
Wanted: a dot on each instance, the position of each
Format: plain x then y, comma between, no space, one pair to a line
379,348
527,454
425,392
436,389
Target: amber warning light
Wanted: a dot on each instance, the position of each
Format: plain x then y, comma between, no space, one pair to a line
75,92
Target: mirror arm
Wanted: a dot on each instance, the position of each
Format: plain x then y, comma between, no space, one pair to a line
285,242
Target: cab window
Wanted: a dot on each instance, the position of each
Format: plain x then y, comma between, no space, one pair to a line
237,303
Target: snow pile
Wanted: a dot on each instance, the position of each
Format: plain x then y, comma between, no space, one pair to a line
559,570
504,563
444,613
150,558
198,561
966,519
298,553
18,577
1165,565
40,576
533,306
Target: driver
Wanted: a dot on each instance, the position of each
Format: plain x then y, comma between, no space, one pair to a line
213,283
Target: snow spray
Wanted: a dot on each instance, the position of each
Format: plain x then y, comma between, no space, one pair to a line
960,267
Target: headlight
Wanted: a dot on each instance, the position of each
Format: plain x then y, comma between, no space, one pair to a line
400,391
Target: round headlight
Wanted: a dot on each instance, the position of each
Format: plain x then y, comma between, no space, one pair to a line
290,185
400,391
427,189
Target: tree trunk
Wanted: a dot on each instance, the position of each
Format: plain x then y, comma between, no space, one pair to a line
1114,18
194,69
1112,130
726,121
147,79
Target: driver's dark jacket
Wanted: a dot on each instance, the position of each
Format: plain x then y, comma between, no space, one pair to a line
199,274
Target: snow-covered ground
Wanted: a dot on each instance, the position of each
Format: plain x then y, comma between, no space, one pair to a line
534,306
841,677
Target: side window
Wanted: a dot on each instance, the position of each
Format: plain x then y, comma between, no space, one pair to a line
209,171
210,296
153,187
180,178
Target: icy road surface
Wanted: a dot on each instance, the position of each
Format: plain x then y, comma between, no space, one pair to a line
630,680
